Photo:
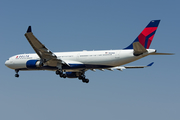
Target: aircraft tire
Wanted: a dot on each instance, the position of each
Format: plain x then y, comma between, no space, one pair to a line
57,72
17,75
85,80
64,76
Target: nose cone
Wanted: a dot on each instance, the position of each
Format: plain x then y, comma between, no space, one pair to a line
8,63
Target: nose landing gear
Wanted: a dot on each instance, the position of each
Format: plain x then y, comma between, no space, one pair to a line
17,75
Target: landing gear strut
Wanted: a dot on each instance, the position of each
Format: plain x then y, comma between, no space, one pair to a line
17,75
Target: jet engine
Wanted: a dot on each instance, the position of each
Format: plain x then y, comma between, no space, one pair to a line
34,64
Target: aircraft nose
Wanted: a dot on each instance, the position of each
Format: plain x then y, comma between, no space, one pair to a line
7,63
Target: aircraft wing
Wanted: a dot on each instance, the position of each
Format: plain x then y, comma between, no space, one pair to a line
129,67
45,54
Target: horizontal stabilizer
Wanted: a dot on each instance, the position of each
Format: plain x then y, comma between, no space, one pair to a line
129,67
161,54
139,66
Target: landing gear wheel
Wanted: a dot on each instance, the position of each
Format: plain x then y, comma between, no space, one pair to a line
57,72
64,76
85,80
17,75
61,75
81,77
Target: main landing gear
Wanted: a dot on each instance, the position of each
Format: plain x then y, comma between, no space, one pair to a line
17,75
79,75
83,78
60,73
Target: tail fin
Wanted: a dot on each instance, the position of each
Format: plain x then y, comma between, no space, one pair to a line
146,36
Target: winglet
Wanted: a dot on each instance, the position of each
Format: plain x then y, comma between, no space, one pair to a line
29,29
150,64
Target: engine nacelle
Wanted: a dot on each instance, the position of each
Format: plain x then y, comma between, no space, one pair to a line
34,64
72,74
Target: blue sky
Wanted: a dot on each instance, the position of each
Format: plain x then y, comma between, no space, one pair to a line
69,25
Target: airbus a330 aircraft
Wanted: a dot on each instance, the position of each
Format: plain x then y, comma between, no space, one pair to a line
75,64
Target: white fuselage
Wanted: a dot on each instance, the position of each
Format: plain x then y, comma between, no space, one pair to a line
91,59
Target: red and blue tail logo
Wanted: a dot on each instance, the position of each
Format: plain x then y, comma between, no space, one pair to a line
146,36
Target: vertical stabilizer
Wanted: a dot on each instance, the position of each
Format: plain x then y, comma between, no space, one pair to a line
146,36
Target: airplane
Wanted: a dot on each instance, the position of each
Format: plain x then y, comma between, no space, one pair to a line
75,64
